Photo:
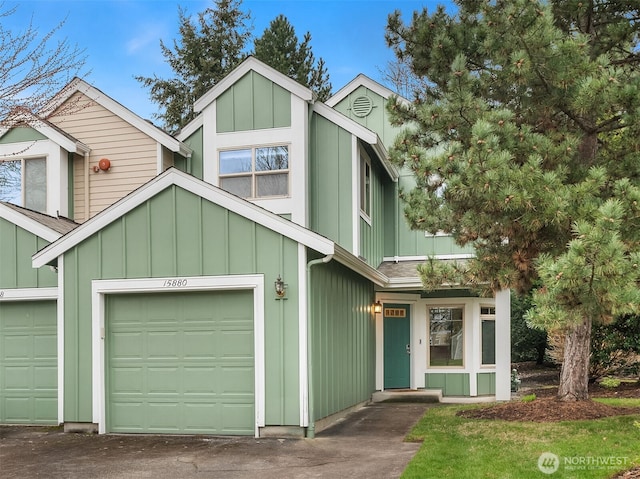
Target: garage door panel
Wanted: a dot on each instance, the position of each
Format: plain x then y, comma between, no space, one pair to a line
200,380
127,381
235,419
165,380
46,377
45,408
163,345
126,345
17,346
44,347
195,357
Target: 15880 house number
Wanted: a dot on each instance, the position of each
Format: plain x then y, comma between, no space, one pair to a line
175,283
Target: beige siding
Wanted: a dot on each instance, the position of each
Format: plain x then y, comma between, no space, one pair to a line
133,154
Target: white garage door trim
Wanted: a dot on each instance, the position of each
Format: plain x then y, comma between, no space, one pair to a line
45,294
99,288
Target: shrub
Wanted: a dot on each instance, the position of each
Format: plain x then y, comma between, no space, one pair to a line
529,398
609,383
616,348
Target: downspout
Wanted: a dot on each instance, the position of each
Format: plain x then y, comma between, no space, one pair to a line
311,428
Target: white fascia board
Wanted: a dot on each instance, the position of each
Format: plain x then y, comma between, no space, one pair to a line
346,123
383,154
29,294
127,115
257,66
190,128
209,192
28,224
356,264
368,83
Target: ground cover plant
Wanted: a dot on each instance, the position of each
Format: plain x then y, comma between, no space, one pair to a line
455,446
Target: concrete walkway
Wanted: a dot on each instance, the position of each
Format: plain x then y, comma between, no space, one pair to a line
366,444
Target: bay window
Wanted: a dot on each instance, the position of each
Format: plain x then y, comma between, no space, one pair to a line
257,172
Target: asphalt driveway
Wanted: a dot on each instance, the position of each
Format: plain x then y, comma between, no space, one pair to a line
367,444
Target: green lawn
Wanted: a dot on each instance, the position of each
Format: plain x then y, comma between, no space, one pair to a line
459,448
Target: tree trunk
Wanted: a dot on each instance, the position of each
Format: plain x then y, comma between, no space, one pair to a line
574,375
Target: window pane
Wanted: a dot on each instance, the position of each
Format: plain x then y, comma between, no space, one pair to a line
272,158
365,187
488,341
235,161
238,185
35,184
11,182
446,345
272,185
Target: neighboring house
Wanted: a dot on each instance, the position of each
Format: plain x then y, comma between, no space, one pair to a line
30,367
237,293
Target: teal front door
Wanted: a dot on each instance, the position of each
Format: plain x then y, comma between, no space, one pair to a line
397,346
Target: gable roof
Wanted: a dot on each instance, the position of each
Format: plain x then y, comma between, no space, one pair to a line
365,81
46,128
252,63
44,226
146,127
198,187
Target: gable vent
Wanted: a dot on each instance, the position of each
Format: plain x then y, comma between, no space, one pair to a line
361,106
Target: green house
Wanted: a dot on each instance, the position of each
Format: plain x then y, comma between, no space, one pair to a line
262,280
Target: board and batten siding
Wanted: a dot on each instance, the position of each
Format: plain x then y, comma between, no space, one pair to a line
400,239
372,231
133,154
343,339
16,248
330,181
253,103
174,234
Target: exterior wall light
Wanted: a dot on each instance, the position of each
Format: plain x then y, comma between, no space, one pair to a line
281,288
377,307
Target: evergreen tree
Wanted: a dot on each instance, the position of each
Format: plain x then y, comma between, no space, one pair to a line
206,52
279,47
525,143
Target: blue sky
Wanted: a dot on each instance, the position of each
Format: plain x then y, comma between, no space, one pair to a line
122,37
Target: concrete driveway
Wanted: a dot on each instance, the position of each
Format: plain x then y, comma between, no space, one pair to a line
367,444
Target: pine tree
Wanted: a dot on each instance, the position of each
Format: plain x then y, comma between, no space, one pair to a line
525,143
279,47
206,52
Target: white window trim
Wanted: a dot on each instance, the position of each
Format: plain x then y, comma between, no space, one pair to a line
100,288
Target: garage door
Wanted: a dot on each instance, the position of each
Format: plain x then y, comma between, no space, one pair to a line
180,363
28,363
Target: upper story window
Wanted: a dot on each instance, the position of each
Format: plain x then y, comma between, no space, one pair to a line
24,183
365,186
257,172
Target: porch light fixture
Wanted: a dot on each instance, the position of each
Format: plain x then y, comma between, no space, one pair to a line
377,307
281,288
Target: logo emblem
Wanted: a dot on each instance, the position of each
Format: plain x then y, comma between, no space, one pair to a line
548,463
